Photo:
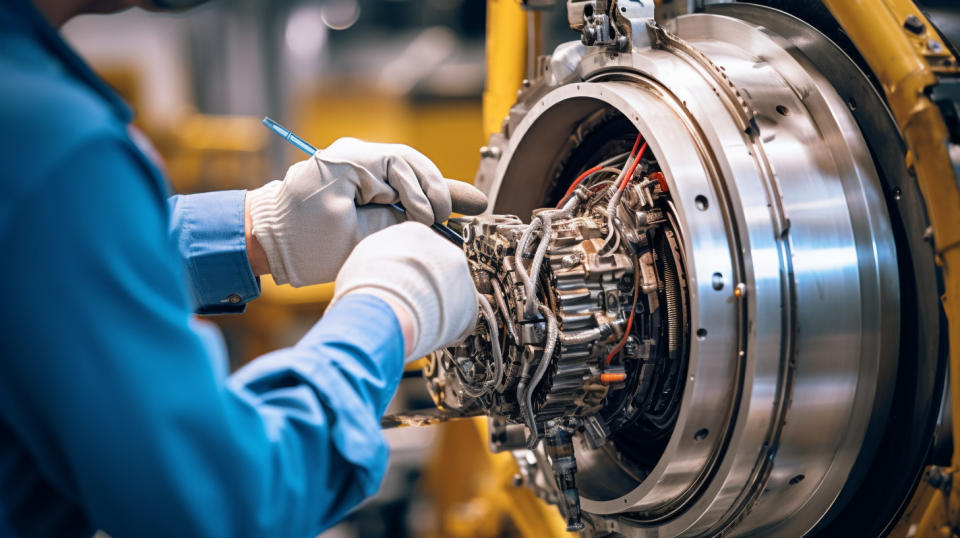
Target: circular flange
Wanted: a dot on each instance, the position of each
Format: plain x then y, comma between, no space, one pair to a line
774,186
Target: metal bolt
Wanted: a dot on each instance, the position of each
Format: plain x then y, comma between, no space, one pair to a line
234,298
490,151
913,24
938,478
516,480
740,290
934,46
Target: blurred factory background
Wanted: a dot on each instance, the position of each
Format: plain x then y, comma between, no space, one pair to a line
404,71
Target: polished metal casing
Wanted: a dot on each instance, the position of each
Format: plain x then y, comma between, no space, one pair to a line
793,356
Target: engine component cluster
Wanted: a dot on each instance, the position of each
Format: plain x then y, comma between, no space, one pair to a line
583,316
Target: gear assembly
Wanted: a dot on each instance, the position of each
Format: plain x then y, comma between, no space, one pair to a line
708,300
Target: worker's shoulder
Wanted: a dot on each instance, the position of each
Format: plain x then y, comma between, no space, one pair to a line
49,110
47,117
45,113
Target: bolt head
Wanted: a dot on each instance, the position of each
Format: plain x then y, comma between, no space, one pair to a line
913,24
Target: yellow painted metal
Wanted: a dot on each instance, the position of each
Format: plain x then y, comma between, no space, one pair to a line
506,60
907,65
474,493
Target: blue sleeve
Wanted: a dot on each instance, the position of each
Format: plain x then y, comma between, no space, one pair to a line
119,404
208,229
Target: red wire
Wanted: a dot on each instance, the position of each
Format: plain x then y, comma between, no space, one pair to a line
576,182
626,178
636,143
633,310
581,177
636,272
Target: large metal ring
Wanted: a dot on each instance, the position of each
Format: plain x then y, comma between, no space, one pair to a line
775,192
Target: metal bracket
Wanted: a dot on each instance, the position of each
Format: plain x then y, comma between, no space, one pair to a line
608,23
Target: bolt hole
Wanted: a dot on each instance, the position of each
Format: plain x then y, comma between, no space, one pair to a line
717,281
623,9
701,333
782,110
796,480
701,434
701,202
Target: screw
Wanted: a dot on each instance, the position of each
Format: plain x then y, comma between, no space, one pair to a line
913,24
934,46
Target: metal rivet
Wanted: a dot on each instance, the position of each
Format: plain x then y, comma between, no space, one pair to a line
234,298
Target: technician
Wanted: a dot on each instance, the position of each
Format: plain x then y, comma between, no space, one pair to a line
116,413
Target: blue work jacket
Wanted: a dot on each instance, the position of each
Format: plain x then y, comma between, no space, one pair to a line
115,413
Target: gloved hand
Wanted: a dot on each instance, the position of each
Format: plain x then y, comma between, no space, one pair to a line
412,265
308,223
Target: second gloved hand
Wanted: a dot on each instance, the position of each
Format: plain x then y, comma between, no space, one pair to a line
410,265
308,223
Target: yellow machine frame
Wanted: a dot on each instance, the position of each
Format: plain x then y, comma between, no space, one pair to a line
907,65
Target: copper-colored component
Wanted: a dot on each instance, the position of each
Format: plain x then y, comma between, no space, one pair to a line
611,378
661,180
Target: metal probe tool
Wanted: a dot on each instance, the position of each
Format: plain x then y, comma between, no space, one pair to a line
307,148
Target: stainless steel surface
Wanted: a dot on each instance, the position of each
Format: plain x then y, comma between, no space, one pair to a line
775,189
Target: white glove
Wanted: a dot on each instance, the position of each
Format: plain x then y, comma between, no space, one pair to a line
412,265
309,222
